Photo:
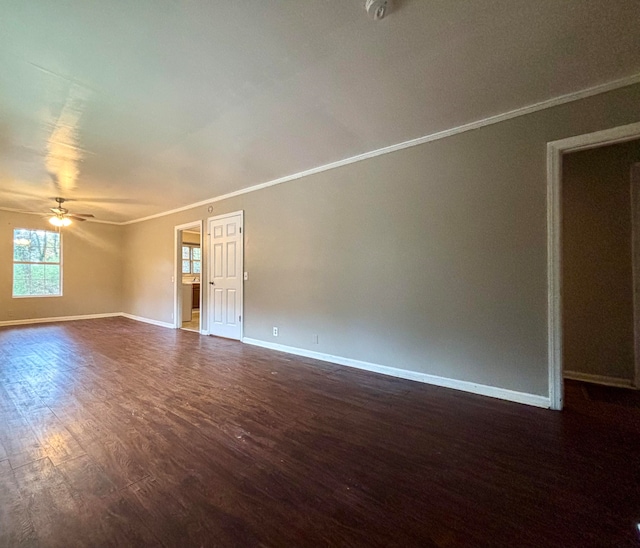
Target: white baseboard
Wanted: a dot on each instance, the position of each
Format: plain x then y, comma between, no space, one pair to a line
147,320
90,317
598,379
58,319
465,386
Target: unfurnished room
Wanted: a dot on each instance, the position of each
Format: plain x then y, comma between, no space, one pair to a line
320,273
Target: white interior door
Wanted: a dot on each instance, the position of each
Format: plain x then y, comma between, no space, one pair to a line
225,275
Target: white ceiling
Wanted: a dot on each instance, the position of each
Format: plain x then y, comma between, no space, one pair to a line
133,108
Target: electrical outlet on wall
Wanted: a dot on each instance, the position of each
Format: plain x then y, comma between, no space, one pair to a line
275,331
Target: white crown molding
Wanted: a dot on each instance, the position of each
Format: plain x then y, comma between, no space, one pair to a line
12,210
523,111
598,379
58,319
465,386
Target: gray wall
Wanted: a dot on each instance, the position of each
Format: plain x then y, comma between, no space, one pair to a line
431,259
92,270
597,276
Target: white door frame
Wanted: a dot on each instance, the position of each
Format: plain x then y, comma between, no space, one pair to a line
555,150
635,268
177,271
216,218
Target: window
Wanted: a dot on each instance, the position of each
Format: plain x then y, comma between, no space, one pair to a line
37,267
190,259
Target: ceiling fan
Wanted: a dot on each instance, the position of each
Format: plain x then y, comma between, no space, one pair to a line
62,217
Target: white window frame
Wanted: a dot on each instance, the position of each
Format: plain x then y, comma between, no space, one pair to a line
191,260
14,262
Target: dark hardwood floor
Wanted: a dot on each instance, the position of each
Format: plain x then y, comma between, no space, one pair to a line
117,433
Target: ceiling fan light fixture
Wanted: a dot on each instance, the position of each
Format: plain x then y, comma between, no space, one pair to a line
60,220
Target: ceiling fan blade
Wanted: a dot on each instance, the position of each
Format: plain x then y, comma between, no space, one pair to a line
75,217
84,214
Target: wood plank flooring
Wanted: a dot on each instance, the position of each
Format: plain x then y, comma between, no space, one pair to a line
117,433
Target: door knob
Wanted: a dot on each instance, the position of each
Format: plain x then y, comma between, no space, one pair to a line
212,283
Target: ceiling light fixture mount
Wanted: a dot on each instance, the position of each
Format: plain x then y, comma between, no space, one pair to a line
378,9
60,220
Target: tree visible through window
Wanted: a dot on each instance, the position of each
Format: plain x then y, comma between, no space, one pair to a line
36,263
190,259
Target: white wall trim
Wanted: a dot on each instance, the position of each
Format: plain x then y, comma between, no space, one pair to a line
146,320
555,150
465,386
523,111
635,266
58,319
87,317
599,379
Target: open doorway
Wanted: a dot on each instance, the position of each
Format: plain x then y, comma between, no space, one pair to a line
593,260
187,290
597,264
599,333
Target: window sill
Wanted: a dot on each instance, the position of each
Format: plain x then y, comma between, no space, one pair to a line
33,296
